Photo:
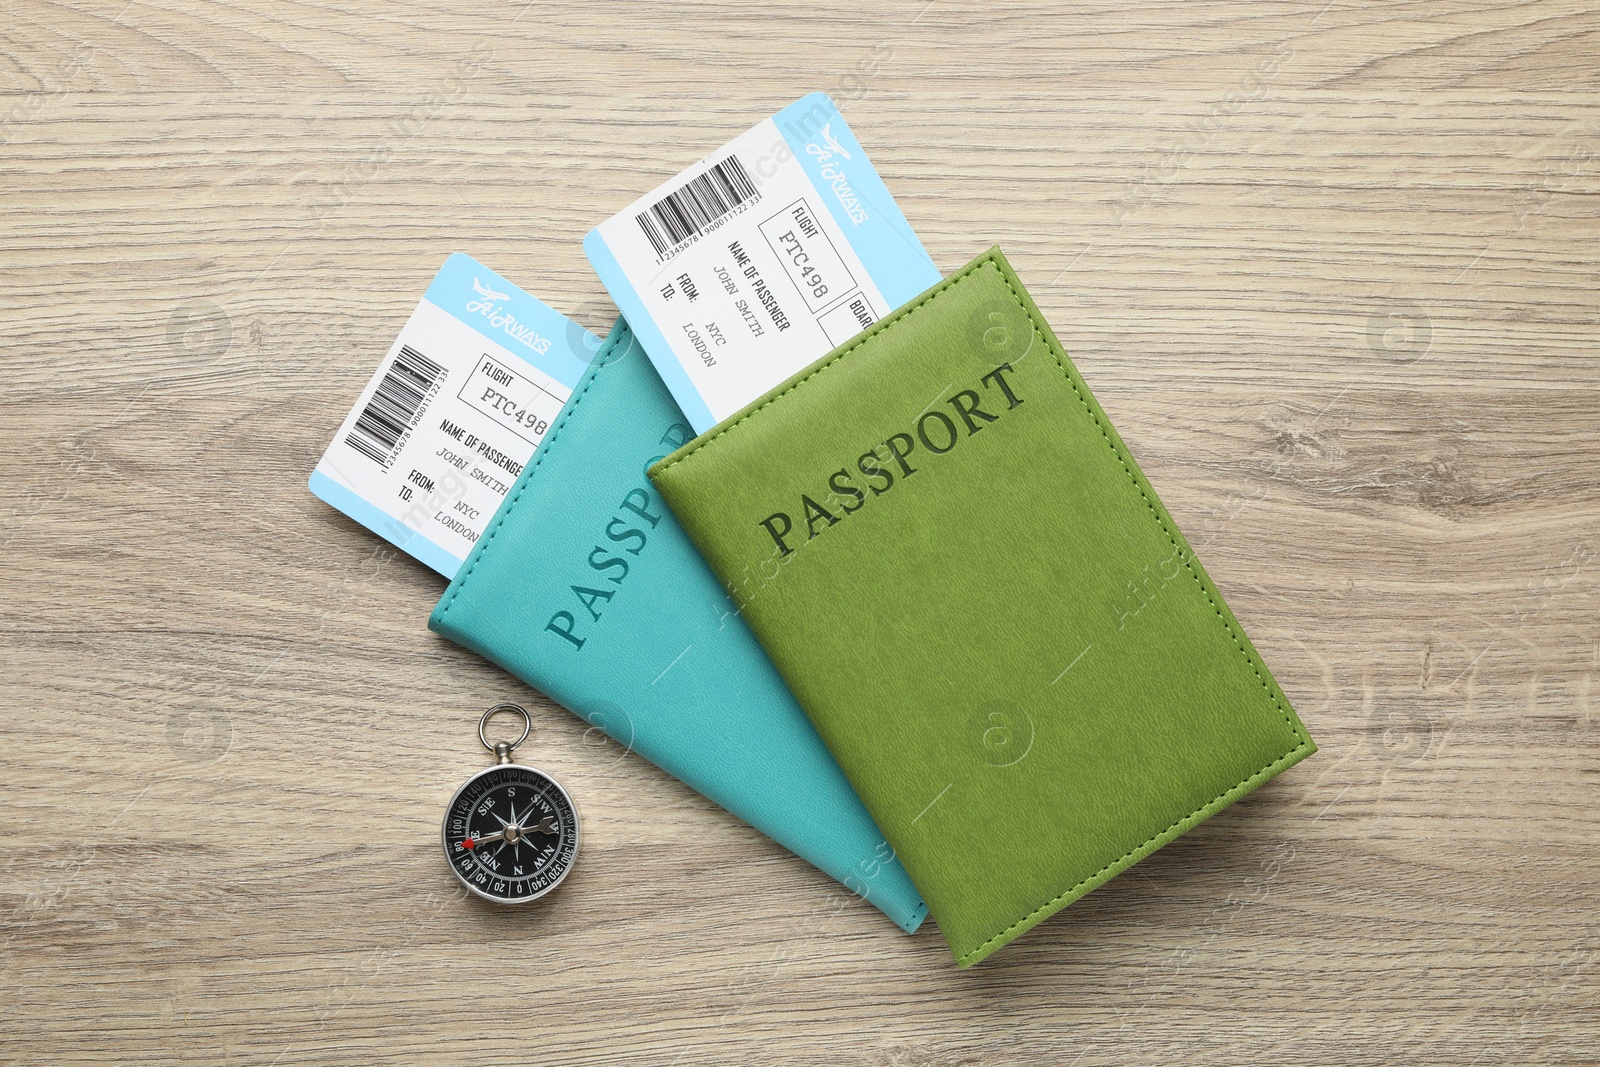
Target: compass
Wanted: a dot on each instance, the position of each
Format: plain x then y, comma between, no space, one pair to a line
510,832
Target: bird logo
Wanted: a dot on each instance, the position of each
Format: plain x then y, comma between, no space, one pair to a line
833,146
489,294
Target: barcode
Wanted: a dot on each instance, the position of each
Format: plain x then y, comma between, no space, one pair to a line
681,215
388,414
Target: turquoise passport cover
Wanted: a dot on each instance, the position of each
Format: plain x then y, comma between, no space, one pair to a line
585,587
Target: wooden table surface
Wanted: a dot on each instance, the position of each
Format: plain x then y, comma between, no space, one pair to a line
1330,268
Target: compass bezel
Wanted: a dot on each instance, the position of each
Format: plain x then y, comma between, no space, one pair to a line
444,834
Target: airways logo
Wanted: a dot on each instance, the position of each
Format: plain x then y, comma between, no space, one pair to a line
489,294
833,173
506,322
833,146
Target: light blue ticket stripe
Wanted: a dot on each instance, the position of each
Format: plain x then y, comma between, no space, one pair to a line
512,319
385,526
649,335
888,247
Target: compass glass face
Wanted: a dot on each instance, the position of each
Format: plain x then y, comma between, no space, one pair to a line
511,834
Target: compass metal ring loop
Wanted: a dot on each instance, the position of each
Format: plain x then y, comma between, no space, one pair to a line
518,709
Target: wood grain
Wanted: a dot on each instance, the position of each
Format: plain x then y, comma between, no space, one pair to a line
1331,269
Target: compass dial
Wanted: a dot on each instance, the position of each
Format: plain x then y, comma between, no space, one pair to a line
511,833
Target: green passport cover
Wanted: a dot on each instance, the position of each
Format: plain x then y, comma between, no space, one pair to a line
980,601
